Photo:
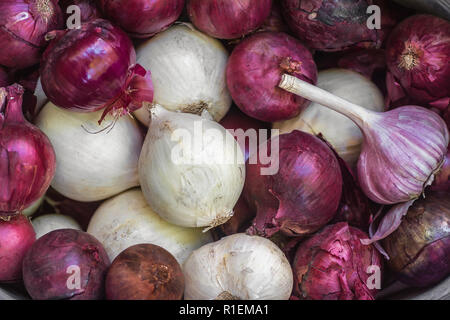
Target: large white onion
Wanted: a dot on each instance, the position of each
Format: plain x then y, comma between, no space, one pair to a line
200,188
338,130
238,267
50,222
188,72
91,165
127,220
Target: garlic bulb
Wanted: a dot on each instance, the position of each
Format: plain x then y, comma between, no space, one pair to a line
238,267
127,220
191,169
50,222
341,132
188,72
93,162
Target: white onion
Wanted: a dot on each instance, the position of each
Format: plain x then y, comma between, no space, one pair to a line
50,222
188,72
338,130
33,207
127,220
91,165
238,267
200,188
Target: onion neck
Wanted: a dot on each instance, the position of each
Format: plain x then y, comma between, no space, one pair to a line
357,114
410,57
226,296
45,9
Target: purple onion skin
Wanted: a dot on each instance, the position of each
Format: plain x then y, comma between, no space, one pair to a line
98,57
255,69
228,19
16,237
419,249
333,264
27,158
88,8
46,271
23,25
418,52
142,18
303,195
334,25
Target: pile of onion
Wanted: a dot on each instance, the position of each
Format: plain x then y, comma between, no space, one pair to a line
142,18
65,264
23,26
255,69
298,191
27,159
98,57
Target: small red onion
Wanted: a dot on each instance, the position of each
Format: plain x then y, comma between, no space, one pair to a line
27,159
334,265
145,272
16,237
94,67
88,9
303,195
334,25
66,264
23,25
255,69
142,18
228,19
418,55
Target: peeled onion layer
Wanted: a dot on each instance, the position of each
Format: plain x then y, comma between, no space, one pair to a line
127,220
188,72
94,162
341,132
50,222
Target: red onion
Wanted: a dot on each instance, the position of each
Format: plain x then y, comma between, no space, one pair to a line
402,150
418,52
228,19
97,58
27,159
334,25
16,237
88,9
65,264
23,25
334,265
142,18
145,272
419,249
255,69
303,195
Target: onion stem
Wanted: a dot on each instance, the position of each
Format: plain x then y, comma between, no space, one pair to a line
308,91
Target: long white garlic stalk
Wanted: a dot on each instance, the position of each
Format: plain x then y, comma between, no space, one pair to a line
188,72
127,220
191,169
93,162
239,267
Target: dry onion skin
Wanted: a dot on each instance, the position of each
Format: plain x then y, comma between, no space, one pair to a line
238,267
127,220
188,72
93,162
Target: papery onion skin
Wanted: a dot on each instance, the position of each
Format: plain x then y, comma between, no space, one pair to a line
303,195
145,272
228,19
54,258
333,265
16,237
88,9
142,18
27,158
101,58
418,52
414,142
255,68
334,25
419,249
23,25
